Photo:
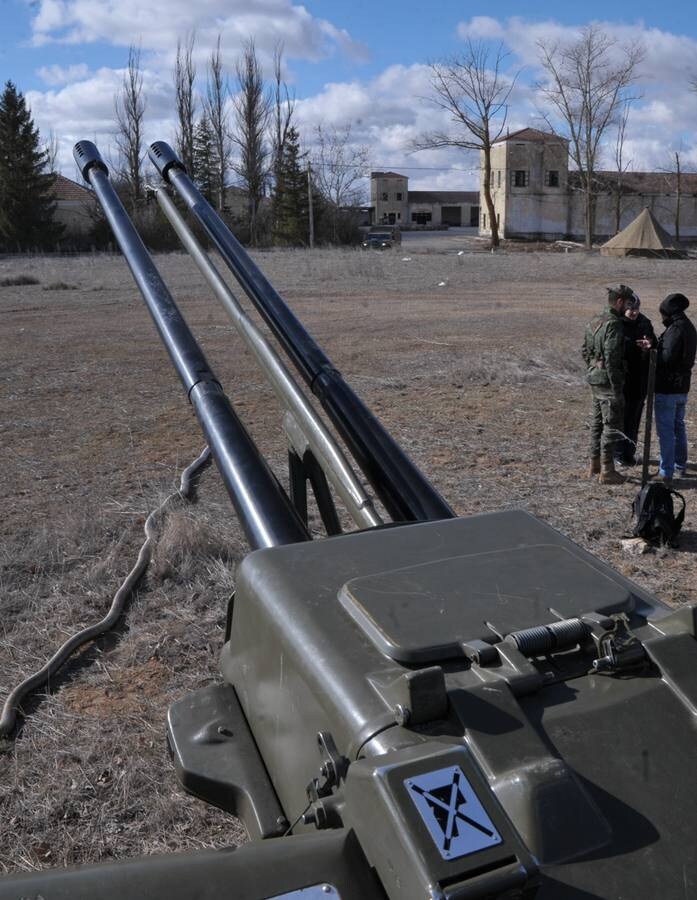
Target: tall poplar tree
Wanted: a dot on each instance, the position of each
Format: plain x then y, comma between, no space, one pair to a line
27,206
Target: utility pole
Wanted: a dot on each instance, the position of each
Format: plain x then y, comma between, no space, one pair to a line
678,193
310,213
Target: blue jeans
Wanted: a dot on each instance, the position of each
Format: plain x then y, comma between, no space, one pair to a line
672,436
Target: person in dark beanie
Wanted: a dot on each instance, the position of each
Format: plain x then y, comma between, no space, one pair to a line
603,353
676,357
639,338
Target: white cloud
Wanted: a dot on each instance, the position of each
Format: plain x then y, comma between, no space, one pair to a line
669,58
55,74
85,110
157,24
387,112
663,116
481,28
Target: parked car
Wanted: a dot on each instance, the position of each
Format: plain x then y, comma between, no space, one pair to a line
382,237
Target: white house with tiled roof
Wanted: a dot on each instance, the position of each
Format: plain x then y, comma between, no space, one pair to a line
536,197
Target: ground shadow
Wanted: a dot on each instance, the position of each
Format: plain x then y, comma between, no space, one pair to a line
686,542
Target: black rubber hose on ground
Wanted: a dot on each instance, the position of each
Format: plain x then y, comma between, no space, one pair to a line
8,720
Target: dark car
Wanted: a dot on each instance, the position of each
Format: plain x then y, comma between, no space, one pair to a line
379,240
382,237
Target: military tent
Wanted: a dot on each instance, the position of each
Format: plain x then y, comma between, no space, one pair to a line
643,237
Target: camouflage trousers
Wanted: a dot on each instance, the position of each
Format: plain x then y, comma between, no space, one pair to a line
607,423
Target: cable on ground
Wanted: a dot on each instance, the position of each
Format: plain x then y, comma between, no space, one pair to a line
8,719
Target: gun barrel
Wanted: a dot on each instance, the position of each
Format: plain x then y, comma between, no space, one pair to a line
403,488
313,432
264,510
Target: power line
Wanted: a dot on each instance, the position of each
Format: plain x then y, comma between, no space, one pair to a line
433,169
379,167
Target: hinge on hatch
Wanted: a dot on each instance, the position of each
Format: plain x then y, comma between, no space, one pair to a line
324,805
619,650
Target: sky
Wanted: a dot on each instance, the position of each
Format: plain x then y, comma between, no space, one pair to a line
363,64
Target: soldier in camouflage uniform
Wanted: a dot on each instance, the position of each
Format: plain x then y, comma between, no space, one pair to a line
604,355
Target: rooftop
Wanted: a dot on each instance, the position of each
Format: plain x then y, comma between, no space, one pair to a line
531,134
642,182
65,189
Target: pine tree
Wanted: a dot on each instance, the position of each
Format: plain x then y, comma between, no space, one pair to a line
27,206
205,160
290,208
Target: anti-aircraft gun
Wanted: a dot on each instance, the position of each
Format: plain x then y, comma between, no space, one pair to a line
427,707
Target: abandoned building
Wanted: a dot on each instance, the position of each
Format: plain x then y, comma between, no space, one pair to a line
392,203
536,197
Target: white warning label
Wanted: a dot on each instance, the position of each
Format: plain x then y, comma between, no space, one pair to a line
452,812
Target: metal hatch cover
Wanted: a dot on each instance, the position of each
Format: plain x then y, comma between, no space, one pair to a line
424,613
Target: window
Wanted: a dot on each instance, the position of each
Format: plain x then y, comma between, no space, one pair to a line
399,215
498,178
398,195
483,220
552,178
519,178
498,220
384,195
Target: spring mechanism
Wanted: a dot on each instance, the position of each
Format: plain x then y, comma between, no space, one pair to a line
545,638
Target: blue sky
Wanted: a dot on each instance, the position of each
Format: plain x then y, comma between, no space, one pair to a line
358,63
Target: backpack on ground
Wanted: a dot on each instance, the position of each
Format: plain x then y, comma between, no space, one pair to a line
656,521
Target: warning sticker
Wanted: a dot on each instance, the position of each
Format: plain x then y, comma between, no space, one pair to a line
452,812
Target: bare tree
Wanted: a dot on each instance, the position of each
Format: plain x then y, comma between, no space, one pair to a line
339,167
216,115
130,112
184,77
472,88
51,149
678,191
674,183
283,109
621,165
252,111
586,87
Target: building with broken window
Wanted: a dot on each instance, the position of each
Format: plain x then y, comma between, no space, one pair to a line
536,197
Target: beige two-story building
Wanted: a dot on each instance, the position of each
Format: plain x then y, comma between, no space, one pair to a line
392,203
529,182
536,197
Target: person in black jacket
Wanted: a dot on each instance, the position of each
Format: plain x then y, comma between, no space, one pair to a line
639,338
676,357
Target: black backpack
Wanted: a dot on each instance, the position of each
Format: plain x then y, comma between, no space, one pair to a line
656,521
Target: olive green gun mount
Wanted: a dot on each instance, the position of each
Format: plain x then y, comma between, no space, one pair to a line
426,707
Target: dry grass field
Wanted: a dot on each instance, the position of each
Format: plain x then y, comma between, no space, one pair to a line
472,363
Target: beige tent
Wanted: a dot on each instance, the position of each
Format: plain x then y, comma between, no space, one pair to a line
643,237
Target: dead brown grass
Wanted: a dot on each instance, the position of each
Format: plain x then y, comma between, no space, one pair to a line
478,378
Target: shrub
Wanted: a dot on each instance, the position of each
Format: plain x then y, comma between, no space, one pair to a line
18,281
60,286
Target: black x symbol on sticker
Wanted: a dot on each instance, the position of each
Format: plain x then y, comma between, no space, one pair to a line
445,803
